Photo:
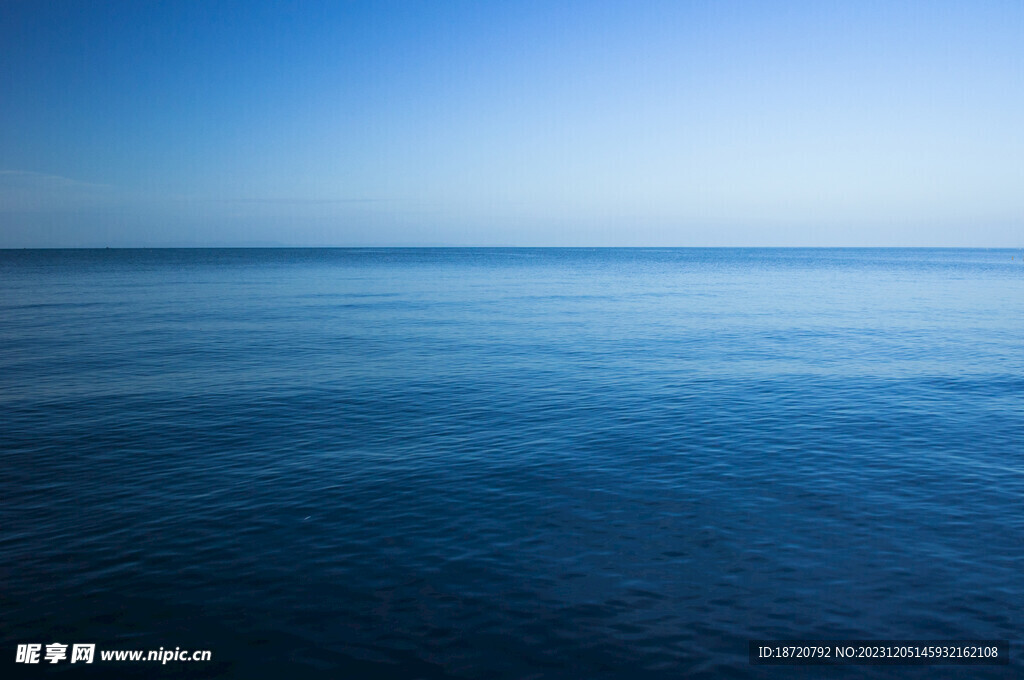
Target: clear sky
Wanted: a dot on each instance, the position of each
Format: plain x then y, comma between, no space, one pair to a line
521,123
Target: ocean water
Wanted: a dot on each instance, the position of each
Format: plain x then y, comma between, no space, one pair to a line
473,463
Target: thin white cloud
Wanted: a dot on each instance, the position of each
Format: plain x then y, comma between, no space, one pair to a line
29,191
42,178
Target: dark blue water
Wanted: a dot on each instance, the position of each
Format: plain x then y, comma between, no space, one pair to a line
509,463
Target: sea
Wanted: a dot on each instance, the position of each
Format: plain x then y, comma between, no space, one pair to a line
509,463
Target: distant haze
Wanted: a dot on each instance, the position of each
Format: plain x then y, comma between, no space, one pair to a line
521,123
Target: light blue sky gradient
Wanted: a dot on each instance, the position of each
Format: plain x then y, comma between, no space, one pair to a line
521,123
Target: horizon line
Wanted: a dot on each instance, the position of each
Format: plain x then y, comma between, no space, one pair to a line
502,247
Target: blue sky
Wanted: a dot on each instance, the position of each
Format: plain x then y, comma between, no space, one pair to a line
521,123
